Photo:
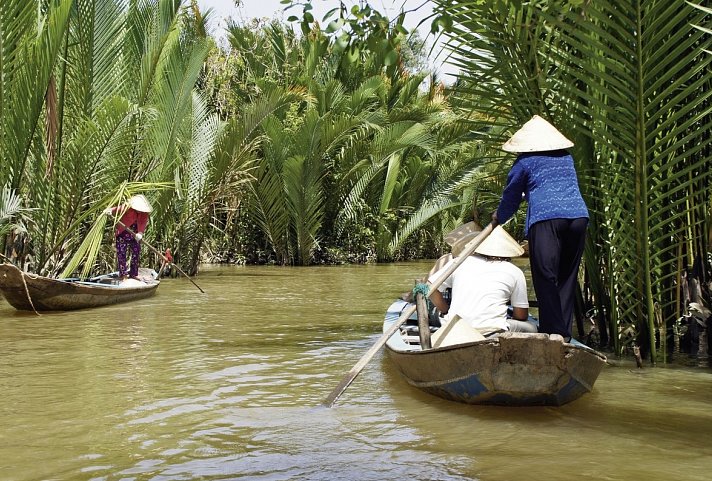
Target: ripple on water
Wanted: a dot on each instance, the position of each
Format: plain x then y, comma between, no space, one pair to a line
228,385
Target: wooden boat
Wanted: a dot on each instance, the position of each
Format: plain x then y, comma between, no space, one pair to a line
513,369
32,292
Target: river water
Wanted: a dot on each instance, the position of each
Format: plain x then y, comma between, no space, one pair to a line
228,385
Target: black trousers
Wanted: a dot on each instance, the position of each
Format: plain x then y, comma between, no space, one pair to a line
555,250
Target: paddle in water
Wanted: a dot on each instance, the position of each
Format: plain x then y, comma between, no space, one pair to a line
351,375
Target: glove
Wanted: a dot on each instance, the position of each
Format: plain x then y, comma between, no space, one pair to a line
139,236
107,211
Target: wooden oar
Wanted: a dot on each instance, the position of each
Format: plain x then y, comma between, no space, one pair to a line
157,252
351,375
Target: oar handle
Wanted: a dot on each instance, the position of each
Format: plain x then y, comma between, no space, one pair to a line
351,375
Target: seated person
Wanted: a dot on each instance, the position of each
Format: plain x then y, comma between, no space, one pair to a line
485,284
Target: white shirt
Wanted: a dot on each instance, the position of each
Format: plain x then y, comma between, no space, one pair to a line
482,290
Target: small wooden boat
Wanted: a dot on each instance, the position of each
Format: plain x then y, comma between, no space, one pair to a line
513,369
29,292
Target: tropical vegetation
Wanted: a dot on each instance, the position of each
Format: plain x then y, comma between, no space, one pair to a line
630,82
329,140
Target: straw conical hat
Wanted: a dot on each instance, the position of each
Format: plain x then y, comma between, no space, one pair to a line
140,203
497,244
537,135
457,331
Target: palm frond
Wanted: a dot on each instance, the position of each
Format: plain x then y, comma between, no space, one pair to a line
88,250
305,200
628,81
27,64
13,215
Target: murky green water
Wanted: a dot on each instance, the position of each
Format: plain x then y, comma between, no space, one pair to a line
227,385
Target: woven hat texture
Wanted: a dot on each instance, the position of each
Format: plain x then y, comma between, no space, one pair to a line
140,203
498,244
537,135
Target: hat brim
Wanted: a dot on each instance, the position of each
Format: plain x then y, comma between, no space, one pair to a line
500,244
537,135
140,204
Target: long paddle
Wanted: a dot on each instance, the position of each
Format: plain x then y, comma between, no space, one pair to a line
157,252
351,375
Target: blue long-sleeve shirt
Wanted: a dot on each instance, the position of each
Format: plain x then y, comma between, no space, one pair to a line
549,184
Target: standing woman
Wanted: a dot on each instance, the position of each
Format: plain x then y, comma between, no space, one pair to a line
556,222
135,218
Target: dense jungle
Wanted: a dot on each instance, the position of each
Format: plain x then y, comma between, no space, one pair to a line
323,141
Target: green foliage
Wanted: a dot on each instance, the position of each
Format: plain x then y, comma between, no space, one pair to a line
364,41
96,96
630,82
13,216
342,170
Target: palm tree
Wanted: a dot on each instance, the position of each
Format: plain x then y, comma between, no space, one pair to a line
97,95
352,165
629,80
30,52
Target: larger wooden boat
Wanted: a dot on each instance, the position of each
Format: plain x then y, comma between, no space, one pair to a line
29,292
513,369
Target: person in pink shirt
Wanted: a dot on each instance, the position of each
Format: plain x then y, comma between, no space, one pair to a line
134,219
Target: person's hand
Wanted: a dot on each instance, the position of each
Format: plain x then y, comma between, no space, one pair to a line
107,211
495,220
139,236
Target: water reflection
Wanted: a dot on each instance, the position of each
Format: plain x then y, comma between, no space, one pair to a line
227,385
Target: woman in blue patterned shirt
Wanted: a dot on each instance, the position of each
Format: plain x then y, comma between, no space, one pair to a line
556,222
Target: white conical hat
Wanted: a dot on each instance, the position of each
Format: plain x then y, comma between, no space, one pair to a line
498,244
457,331
537,135
140,203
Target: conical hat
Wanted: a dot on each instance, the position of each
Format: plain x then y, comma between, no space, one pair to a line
140,203
457,331
497,244
537,135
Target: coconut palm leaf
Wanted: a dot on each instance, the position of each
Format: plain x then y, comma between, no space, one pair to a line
651,97
173,100
305,201
630,76
152,29
497,46
30,50
385,144
443,192
207,130
88,250
269,206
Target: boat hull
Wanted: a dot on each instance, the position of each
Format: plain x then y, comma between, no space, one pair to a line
31,292
514,369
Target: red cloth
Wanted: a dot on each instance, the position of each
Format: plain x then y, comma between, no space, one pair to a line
129,217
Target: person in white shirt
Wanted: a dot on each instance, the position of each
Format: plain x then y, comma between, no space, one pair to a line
485,284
